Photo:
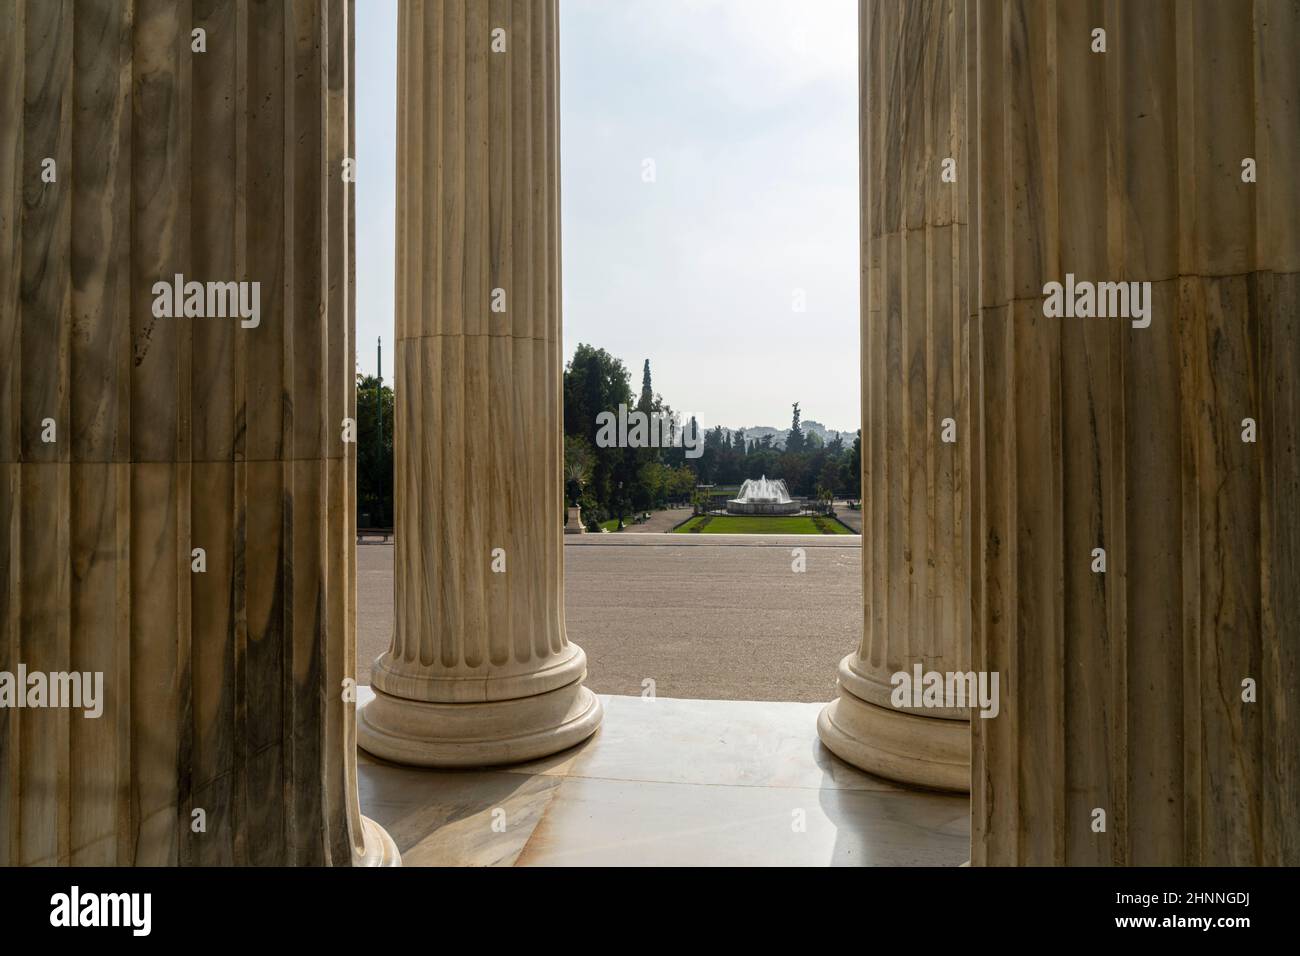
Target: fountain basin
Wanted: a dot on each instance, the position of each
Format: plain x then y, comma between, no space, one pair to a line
738,507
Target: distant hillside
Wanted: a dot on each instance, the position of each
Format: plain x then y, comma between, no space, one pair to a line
808,426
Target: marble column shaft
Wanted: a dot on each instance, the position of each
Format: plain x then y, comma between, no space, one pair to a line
1123,690
480,670
222,687
916,180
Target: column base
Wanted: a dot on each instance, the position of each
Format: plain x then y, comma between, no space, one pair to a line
480,734
931,752
381,850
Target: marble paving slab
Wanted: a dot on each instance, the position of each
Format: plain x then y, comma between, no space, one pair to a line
669,783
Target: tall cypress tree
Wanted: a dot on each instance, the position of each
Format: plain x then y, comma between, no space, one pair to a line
794,441
646,404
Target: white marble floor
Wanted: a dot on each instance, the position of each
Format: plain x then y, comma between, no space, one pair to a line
673,783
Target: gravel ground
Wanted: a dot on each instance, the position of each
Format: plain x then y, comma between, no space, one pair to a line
723,620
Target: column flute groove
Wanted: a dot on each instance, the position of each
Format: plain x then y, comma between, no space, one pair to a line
1132,736
916,375
480,670
183,524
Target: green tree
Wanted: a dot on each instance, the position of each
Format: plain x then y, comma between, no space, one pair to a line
374,452
579,463
681,481
655,478
595,382
851,471
794,439
647,400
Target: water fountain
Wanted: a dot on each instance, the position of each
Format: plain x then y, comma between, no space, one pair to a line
761,496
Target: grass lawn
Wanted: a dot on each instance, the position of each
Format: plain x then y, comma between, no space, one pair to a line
760,524
610,525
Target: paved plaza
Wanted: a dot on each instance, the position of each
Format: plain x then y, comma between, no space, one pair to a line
723,767
703,616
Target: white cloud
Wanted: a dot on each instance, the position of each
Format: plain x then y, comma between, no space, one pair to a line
749,108
752,52
756,147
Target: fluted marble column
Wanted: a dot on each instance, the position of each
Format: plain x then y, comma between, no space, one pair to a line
142,139
917,439
1126,735
480,670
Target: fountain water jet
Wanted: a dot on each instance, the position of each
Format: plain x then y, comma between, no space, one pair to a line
762,496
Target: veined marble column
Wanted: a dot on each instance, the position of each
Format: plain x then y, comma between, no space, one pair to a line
479,671
176,495
917,428
1151,705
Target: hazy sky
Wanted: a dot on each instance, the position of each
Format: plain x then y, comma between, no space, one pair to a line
748,109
